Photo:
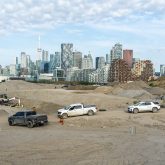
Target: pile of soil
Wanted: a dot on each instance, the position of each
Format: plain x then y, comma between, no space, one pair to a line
135,90
81,87
40,106
104,89
156,91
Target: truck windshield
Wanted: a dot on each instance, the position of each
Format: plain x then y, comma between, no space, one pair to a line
67,107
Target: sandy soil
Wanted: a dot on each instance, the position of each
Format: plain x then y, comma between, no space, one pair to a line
112,137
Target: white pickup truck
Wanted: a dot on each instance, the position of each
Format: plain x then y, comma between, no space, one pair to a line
76,110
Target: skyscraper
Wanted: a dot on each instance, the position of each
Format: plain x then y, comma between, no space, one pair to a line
128,57
39,50
55,61
45,55
52,63
66,55
97,61
23,60
90,60
116,52
77,59
108,59
16,61
87,62
101,62
58,59
28,62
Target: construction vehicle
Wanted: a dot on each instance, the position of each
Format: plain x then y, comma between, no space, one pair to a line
14,101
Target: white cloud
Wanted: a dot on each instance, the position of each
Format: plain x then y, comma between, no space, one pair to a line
28,14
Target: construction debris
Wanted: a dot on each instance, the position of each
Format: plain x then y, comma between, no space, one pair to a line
14,101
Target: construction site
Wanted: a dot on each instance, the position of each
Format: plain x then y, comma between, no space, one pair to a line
112,136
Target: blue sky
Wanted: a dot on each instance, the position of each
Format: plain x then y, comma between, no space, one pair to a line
91,25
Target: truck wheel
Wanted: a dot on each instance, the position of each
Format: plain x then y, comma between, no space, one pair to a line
154,109
30,124
11,122
65,115
90,113
135,110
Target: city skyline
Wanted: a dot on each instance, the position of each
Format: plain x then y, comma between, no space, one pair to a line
93,26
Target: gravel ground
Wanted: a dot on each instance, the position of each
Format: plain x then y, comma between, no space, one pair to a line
112,137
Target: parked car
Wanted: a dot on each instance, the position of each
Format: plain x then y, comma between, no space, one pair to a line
76,110
28,118
144,106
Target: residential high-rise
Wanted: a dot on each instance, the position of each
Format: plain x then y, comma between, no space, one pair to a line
73,74
28,61
17,66
90,60
100,76
23,60
100,62
108,59
87,62
58,59
116,52
143,69
12,70
162,70
97,61
55,61
128,57
77,59
119,71
66,55
52,63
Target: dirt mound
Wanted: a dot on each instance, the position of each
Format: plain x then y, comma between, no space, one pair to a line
135,90
81,87
104,89
136,94
17,85
40,106
121,88
156,91
135,85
